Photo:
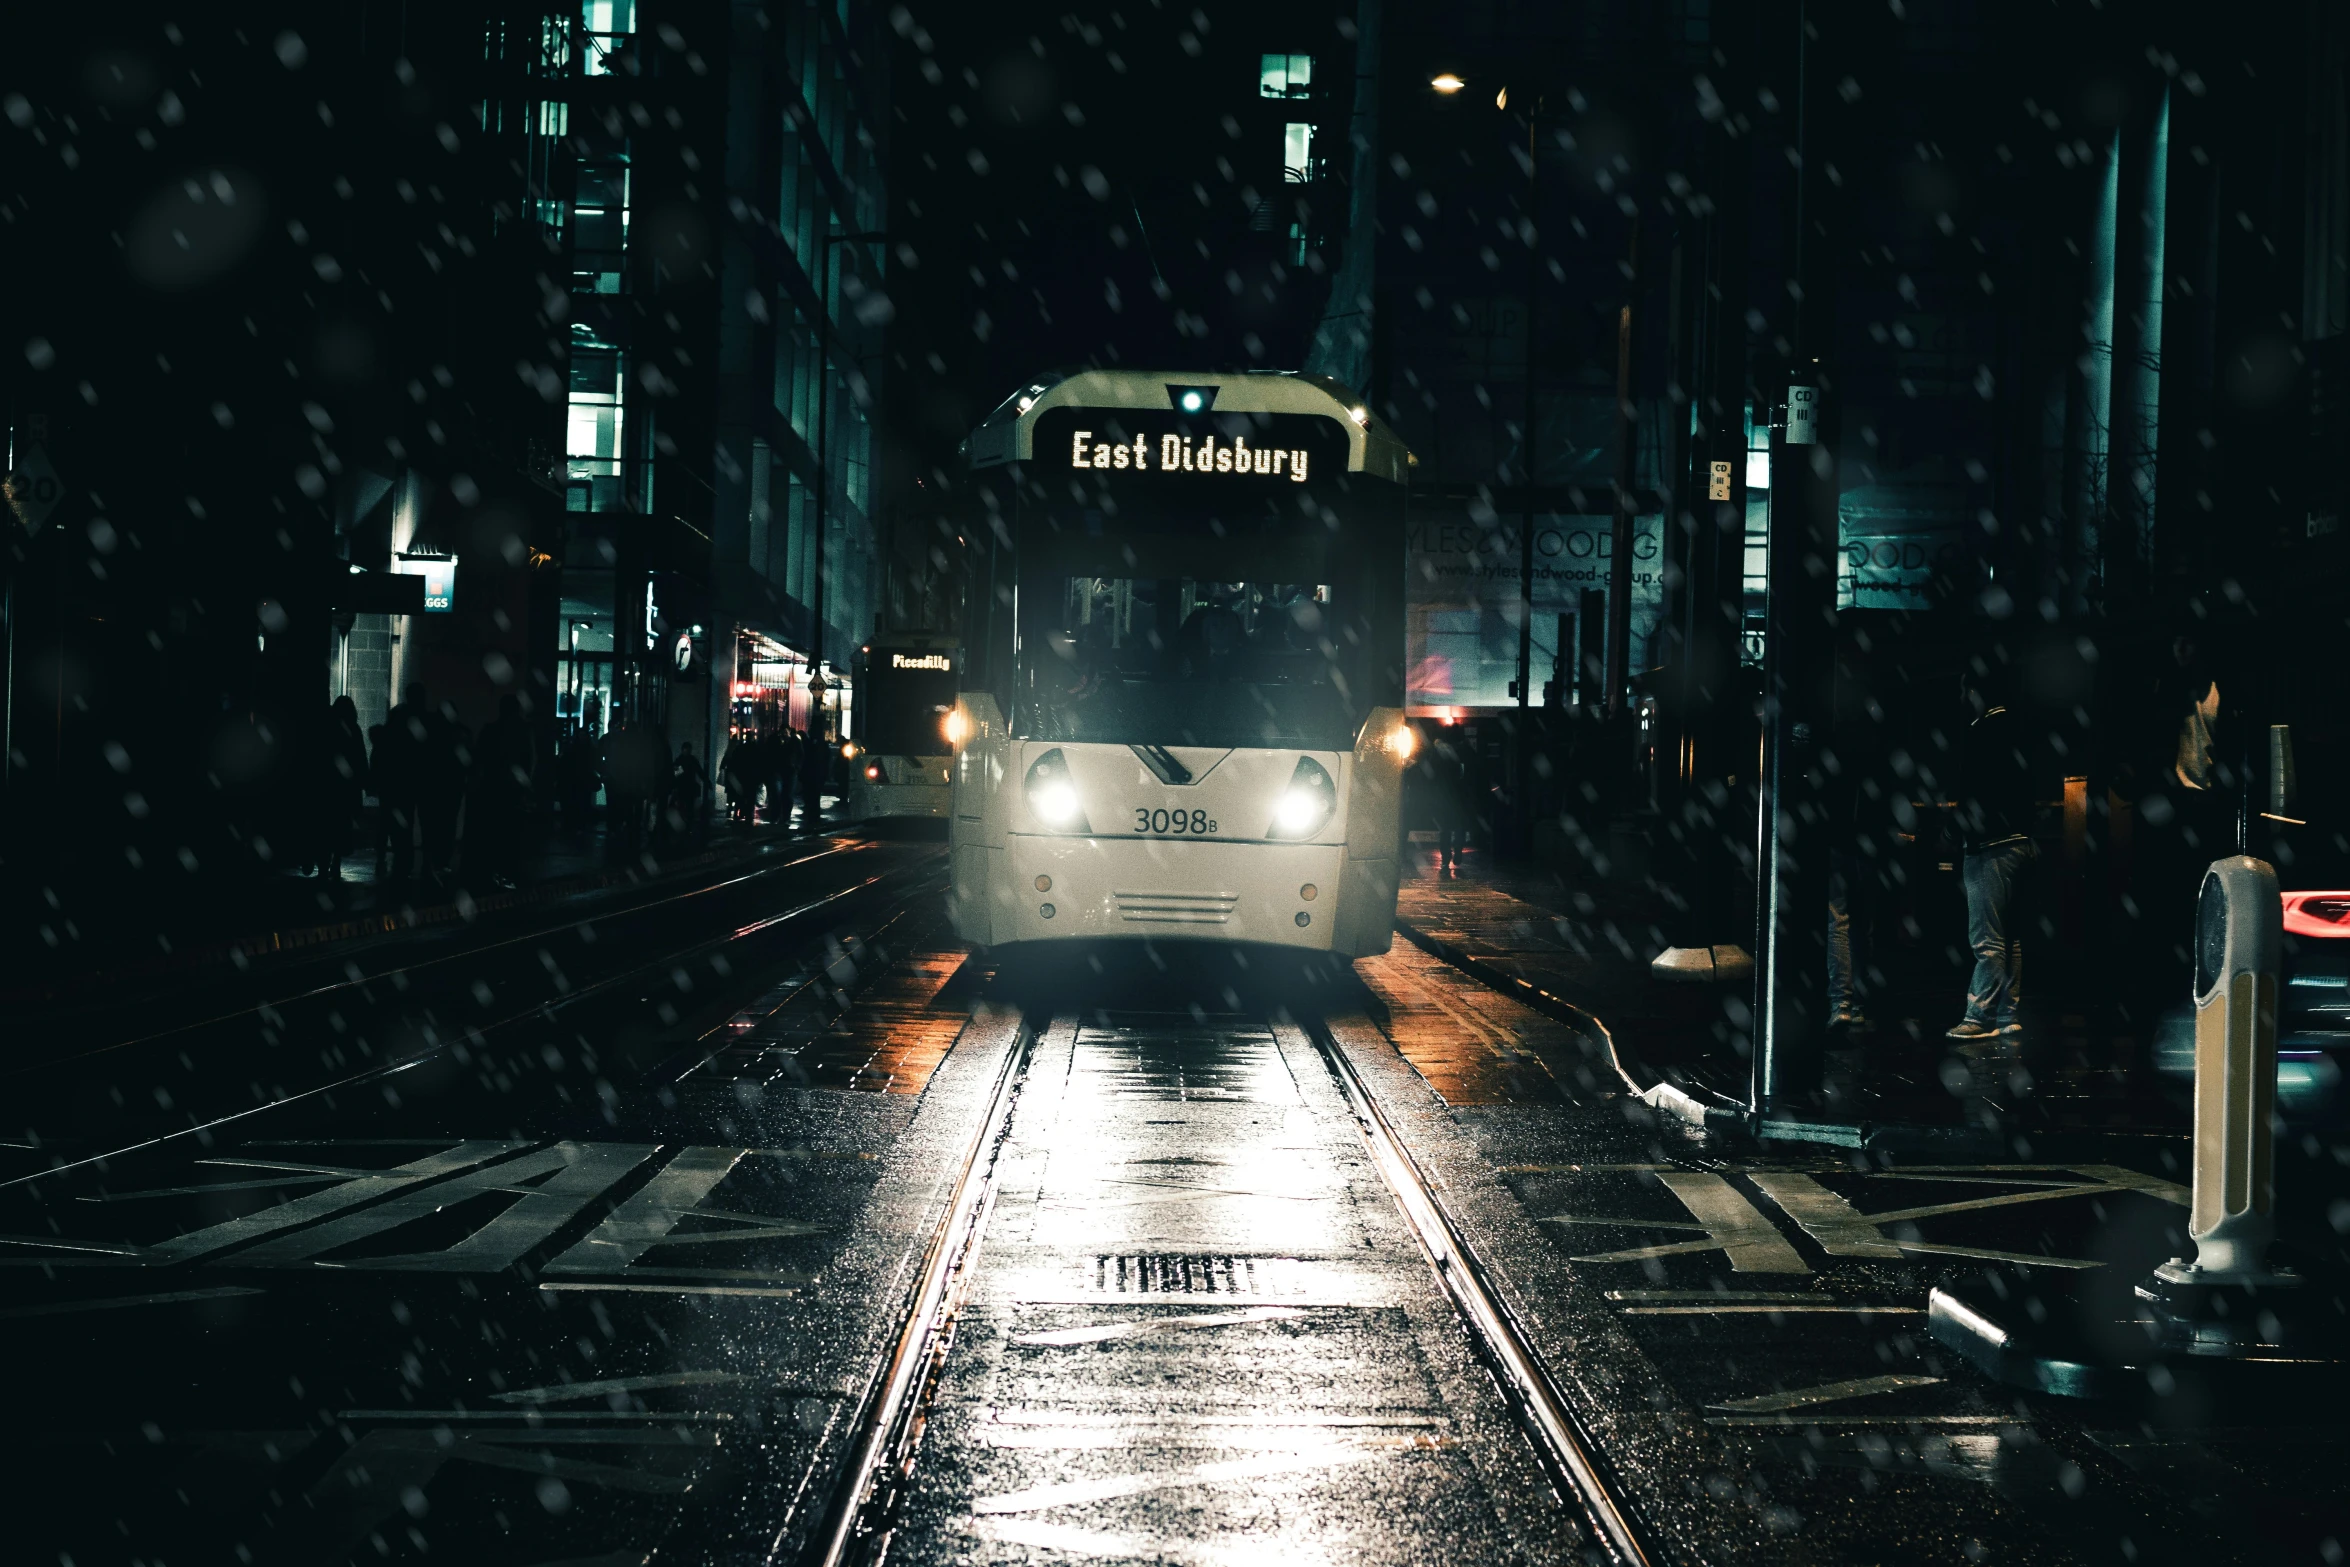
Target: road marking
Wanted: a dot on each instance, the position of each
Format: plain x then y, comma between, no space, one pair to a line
1865,1420
646,1219
1823,1393
1731,1224
334,1200
525,1419
1844,1231
1104,1332
569,1177
676,1289
566,1392
1095,1545
1332,1456
170,1297
1123,1422
1787,1310
1799,1297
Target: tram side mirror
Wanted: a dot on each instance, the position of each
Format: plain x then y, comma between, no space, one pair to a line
2284,779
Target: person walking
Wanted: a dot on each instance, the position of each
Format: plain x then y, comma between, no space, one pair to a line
1994,819
343,786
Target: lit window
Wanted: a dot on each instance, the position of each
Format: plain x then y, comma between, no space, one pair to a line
1297,152
1285,76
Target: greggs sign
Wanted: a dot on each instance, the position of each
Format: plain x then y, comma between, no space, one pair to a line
1188,454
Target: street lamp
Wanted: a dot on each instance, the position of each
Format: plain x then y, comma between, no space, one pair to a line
1446,83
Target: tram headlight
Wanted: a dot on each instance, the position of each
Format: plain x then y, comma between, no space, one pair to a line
1306,805
1401,741
956,726
1052,794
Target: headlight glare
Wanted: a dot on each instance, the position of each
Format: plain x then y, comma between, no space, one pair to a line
1052,794
1307,805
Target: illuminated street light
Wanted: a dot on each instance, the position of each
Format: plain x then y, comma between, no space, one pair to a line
1501,99
1448,84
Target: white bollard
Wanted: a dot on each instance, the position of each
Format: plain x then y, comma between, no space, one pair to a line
2239,951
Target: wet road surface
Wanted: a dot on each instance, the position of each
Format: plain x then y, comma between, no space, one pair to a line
605,1250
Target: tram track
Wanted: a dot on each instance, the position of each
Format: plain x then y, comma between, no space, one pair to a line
872,1487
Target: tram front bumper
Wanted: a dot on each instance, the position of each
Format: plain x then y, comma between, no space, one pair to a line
1278,894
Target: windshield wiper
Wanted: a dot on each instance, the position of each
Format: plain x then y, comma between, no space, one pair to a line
1161,761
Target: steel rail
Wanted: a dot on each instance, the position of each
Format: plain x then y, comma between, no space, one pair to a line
1531,1395
891,1418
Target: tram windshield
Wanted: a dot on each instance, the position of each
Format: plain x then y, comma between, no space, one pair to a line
1177,660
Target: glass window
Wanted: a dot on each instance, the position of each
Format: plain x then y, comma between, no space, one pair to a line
1297,152
1285,76
1175,660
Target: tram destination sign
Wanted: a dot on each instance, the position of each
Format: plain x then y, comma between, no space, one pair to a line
1220,448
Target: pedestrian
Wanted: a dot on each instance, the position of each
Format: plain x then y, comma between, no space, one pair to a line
689,794
738,770
383,815
343,786
783,765
815,770
445,758
399,776
1448,800
504,772
636,765
1994,819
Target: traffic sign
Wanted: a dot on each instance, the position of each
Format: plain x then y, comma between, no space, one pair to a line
34,489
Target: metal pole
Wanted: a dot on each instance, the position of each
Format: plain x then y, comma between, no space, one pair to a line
1526,467
1619,566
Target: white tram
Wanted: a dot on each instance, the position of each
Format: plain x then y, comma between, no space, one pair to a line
1182,704
904,698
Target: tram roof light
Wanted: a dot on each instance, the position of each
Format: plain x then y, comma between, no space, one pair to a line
1192,399
1361,416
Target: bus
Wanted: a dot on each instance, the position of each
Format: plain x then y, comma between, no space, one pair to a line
1181,713
903,696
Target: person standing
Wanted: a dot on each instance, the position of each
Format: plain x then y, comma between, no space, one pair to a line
343,786
739,773
815,768
399,768
1994,820
689,794
505,765
783,765
1448,800
447,755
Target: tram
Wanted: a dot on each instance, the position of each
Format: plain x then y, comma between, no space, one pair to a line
904,696
1181,714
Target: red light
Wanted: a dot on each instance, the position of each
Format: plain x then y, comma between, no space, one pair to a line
873,770
2322,914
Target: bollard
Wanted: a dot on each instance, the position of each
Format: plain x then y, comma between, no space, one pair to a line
2239,950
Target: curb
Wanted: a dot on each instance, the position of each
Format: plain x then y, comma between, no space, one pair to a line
1701,1111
